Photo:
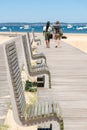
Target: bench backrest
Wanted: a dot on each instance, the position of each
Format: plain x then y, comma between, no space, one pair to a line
34,56
35,38
26,53
29,43
33,35
28,35
15,82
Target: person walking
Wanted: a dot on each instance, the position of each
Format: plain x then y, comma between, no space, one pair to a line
57,33
47,32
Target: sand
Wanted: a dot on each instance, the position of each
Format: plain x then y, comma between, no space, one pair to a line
4,39
12,124
77,40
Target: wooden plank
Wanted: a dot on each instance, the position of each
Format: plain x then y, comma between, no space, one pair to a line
68,67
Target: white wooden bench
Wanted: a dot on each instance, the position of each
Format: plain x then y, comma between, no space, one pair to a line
25,114
34,71
41,63
35,56
35,37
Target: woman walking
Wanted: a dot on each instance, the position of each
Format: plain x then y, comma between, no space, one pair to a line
46,30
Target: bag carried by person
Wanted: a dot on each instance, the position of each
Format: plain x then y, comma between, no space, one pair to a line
51,36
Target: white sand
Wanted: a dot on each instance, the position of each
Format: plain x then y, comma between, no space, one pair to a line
4,39
77,40
12,124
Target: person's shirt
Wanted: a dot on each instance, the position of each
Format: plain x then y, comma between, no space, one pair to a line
49,29
57,29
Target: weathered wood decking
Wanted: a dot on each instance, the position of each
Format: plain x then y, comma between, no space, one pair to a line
68,67
4,93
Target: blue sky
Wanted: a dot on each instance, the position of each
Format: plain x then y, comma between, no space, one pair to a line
43,10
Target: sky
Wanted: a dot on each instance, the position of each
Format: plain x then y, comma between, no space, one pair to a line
71,11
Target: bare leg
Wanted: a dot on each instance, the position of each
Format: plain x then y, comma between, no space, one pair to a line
47,43
55,39
59,43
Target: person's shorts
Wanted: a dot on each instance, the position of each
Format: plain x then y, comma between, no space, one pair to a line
47,36
58,36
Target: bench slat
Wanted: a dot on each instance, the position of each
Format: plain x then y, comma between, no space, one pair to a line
39,109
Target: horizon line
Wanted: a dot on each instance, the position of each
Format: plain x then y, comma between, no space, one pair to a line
39,22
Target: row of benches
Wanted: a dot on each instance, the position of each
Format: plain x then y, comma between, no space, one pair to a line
25,114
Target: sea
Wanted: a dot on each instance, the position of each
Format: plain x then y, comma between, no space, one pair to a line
38,27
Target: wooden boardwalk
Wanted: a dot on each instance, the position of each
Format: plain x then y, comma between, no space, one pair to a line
68,67
4,93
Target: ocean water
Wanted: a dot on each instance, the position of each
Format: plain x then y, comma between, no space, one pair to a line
38,27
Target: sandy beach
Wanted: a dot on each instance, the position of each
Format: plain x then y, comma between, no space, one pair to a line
77,40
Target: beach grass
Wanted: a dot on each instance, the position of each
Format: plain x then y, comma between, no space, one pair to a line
4,127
